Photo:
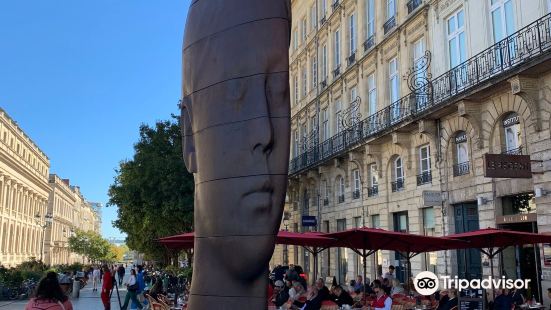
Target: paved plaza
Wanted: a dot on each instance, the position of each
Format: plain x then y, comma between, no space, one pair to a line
88,300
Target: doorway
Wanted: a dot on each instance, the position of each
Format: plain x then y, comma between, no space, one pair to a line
469,263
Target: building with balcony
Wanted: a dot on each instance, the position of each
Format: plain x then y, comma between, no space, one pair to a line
396,100
24,191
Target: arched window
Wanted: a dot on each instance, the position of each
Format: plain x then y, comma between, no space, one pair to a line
462,165
512,134
340,189
398,174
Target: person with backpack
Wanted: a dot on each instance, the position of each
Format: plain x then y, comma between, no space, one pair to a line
49,296
132,287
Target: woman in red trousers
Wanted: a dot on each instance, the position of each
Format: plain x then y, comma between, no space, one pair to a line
106,288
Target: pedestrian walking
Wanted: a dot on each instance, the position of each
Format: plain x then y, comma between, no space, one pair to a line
121,271
48,295
106,288
95,278
132,287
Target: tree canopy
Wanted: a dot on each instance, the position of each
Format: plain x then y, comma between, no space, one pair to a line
91,245
154,191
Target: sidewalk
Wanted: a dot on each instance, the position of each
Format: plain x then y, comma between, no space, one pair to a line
88,301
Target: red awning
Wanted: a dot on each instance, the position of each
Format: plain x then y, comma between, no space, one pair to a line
374,239
499,238
315,241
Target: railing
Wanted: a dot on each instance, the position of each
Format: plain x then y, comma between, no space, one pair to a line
520,48
517,151
323,84
335,5
397,185
341,198
424,178
373,191
369,43
337,71
351,59
389,24
413,4
356,194
323,20
461,169
325,201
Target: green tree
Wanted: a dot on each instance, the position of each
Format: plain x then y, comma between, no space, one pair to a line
91,245
153,191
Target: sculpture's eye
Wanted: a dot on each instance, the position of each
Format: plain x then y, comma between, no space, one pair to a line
235,89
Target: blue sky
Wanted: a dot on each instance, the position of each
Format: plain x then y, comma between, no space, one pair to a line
81,76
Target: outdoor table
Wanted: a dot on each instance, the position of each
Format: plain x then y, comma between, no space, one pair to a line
329,305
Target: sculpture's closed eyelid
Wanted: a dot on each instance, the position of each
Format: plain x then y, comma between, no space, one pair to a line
235,89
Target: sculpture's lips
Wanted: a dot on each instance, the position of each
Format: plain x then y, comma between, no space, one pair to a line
265,187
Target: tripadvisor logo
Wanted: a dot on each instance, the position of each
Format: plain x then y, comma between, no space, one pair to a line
427,283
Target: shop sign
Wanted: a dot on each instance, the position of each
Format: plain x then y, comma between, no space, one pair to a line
511,120
308,220
460,137
516,218
507,166
432,198
547,254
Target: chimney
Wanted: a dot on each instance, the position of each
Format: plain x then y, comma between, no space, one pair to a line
66,181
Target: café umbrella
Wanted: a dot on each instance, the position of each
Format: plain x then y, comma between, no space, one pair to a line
366,241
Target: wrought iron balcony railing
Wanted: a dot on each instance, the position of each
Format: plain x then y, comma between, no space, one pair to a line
461,169
356,194
323,20
413,4
351,59
323,84
373,191
389,24
336,5
397,185
515,151
424,178
341,198
337,71
523,47
369,43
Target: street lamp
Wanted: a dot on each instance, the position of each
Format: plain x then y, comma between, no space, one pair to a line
285,247
43,223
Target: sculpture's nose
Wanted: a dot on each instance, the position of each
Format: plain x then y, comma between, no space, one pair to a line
262,132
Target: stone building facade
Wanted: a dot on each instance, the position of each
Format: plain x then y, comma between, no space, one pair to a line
394,101
38,210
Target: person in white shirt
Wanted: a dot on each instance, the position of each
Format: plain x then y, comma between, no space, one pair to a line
96,278
132,287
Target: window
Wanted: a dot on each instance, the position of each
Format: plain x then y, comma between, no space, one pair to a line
304,135
390,9
304,82
512,134
323,6
313,124
370,14
314,65
304,29
428,230
503,23
338,115
295,39
394,88
462,154
295,143
342,256
340,189
424,176
295,80
324,62
325,124
373,175
418,54
456,38
376,221
372,94
313,17
357,184
325,191
352,33
398,183
337,49
354,112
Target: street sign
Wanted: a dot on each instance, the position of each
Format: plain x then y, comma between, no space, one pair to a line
308,220
432,198
507,166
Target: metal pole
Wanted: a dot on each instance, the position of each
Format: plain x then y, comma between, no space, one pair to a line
43,240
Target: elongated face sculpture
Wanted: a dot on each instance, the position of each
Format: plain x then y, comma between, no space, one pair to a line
236,130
